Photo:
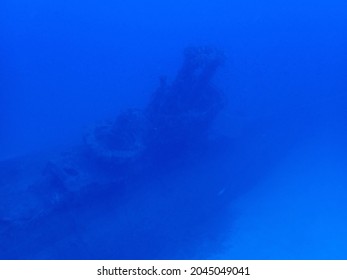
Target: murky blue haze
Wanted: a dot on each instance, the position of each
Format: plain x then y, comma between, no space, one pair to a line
260,173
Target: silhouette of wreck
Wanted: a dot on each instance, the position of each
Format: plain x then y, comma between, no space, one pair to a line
177,118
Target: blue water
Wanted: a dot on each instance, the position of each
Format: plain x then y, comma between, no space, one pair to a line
268,178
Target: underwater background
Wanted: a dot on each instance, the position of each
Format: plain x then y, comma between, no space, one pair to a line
269,181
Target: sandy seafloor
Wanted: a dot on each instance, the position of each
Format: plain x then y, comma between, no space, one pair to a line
298,211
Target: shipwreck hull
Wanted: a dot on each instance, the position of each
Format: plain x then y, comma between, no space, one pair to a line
54,200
